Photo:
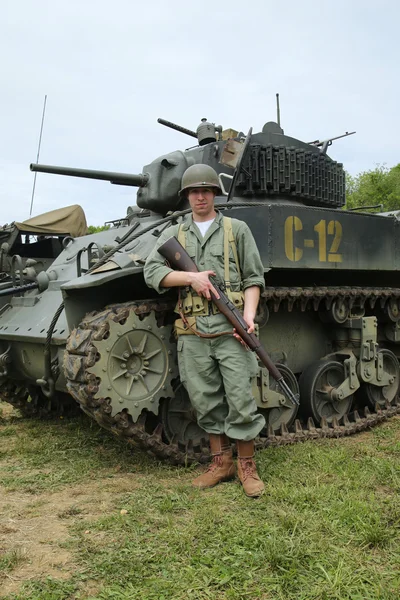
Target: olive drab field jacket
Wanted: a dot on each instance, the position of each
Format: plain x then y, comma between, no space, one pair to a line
208,254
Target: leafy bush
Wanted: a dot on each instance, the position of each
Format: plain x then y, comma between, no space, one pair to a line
96,228
378,186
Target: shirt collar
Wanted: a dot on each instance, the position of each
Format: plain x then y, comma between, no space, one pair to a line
189,220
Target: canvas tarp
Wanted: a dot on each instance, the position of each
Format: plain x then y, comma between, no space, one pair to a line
69,220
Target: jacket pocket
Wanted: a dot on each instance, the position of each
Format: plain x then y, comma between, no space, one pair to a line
191,250
217,259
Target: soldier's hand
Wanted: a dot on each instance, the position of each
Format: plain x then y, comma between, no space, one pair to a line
202,285
240,339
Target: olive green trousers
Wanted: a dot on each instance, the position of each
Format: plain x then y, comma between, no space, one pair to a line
218,374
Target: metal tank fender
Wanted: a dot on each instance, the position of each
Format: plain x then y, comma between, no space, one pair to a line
94,280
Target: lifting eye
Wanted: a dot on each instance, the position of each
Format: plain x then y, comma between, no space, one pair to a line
168,163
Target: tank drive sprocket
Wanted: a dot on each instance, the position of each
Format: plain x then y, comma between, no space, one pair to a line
126,356
135,364
119,364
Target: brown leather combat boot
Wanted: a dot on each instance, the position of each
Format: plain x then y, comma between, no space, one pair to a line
247,470
222,467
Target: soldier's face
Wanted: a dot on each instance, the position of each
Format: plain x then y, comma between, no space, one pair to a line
201,201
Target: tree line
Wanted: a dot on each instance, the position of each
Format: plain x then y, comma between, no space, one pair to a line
377,186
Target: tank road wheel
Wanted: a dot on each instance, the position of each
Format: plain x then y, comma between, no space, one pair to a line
285,414
179,419
374,394
318,384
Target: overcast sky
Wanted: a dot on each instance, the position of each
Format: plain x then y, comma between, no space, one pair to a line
110,69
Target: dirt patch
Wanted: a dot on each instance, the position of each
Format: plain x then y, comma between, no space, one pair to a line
36,527
34,535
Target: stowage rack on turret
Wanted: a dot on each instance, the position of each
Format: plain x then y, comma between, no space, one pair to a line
285,171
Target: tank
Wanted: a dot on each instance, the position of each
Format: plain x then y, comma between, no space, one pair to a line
329,316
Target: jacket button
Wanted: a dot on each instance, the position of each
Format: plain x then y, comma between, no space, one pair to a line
202,262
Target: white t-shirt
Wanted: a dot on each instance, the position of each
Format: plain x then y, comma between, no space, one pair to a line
204,226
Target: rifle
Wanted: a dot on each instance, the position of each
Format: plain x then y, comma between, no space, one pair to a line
180,260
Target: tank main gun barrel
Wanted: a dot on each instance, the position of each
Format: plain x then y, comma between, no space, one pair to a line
139,180
177,127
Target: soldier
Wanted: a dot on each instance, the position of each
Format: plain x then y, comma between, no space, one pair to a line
214,367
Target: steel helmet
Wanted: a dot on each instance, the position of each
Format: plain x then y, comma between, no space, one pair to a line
198,176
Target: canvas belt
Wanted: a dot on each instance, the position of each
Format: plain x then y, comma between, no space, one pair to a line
187,326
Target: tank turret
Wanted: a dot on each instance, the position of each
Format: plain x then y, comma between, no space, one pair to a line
275,165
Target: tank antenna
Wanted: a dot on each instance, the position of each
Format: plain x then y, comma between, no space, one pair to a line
38,152
278,111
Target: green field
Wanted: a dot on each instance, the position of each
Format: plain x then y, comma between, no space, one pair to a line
328,526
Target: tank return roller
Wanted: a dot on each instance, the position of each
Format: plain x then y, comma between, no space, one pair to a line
139,180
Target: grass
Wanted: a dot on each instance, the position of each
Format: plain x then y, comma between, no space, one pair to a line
327,528
10,560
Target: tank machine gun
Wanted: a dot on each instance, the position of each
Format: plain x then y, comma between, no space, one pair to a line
205,134
324,144
329,316
177,127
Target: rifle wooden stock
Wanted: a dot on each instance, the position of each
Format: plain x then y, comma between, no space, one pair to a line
180,260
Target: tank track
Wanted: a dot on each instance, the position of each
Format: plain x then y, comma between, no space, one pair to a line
15,394
148,435
359,296
31,402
